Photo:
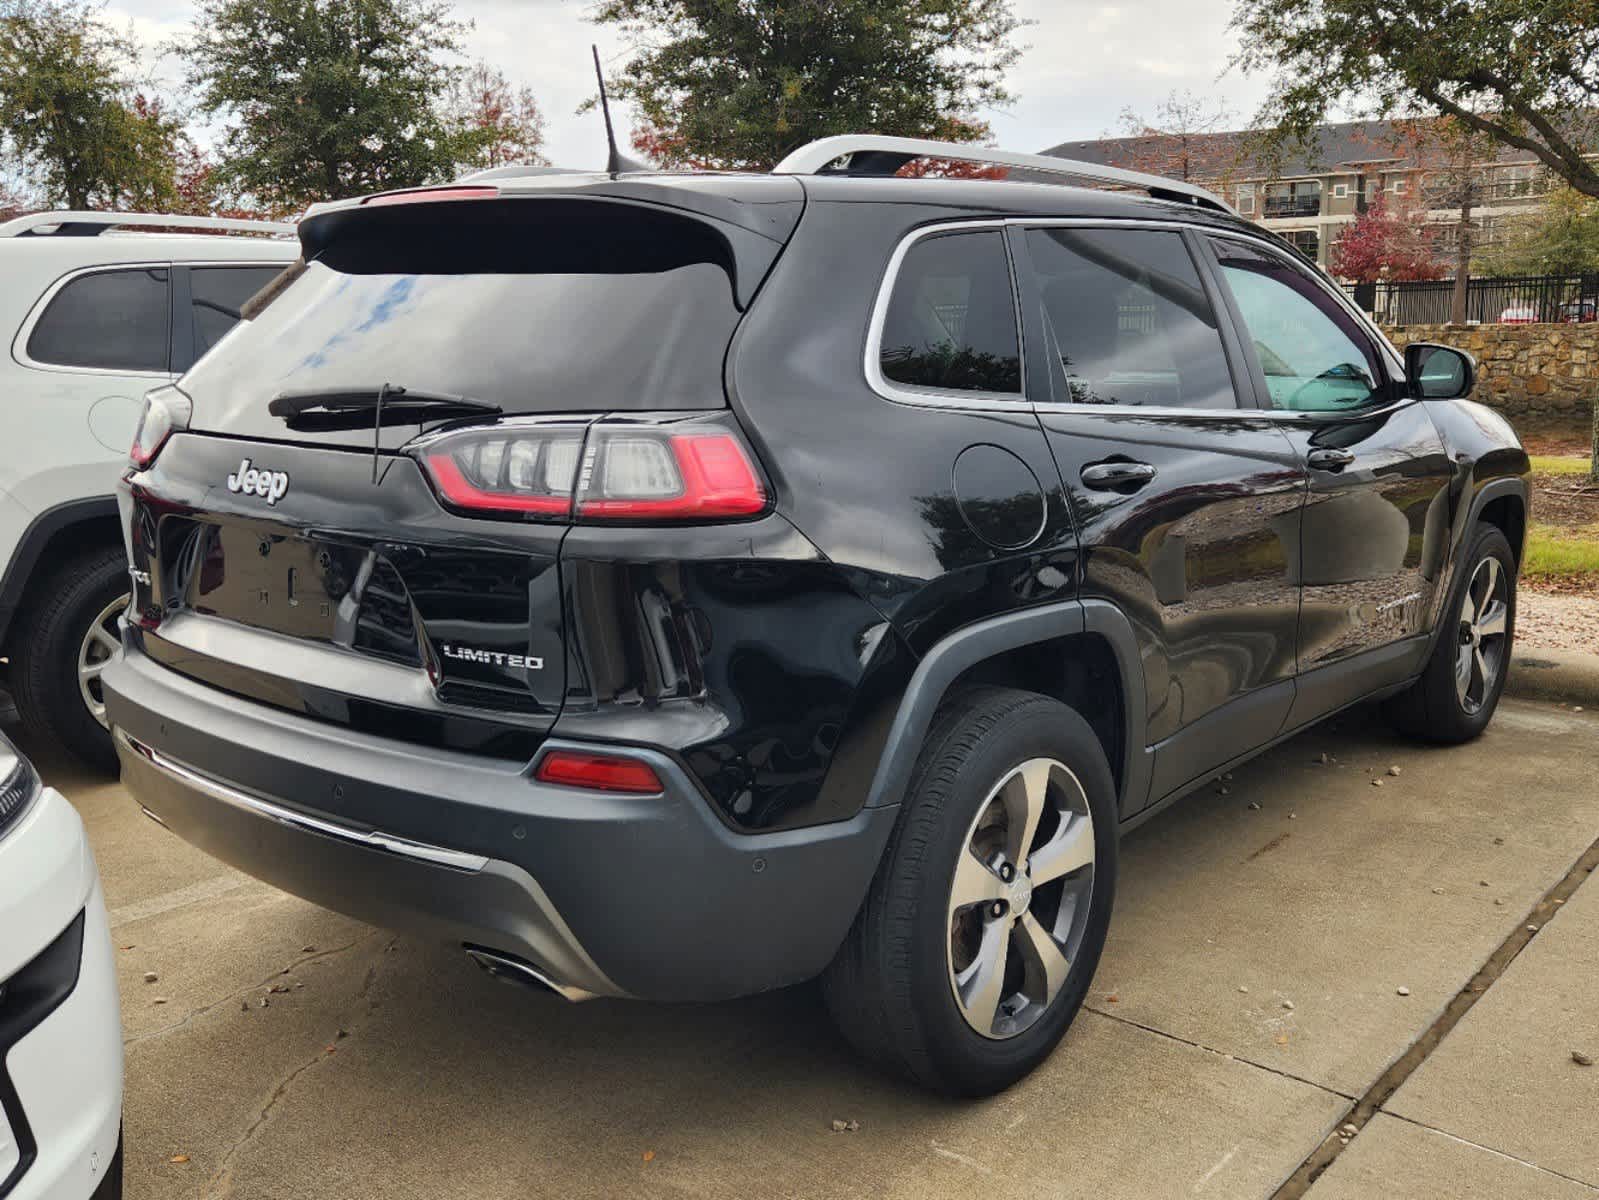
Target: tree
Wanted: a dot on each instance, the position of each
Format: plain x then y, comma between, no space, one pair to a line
1523,72
1383,243
1559,237
69,110
494,123
327,98
740,84
1181,142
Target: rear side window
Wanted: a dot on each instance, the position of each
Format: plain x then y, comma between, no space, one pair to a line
1127,319
951,322
215,297
110,320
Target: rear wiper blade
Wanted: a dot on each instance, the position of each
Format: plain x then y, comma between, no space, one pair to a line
322,410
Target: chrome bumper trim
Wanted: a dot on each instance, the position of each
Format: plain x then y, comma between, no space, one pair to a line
374,839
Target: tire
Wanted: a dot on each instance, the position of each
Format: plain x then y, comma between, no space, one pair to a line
1435,708
45,658
895,987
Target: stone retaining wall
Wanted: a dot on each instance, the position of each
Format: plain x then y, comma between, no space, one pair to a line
1523,368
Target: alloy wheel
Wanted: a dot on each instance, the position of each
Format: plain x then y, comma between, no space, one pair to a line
94,652
1020,897
1482,640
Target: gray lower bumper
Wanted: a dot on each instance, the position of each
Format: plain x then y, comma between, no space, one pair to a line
650,897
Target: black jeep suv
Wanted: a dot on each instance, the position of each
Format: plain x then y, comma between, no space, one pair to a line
679,586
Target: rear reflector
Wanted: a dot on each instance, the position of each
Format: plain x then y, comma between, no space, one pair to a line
598,772
431,196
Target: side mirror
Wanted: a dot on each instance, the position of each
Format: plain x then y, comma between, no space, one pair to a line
1439,372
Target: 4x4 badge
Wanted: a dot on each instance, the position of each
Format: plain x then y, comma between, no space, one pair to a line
252,481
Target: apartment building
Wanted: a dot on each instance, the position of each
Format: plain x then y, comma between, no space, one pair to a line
1310,198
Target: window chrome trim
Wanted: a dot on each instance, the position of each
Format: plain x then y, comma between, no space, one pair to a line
19,344
928,397
1005,402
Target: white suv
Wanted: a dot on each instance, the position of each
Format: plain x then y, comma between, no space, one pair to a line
95,314
60,1024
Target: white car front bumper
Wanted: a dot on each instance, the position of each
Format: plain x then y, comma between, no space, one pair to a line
60,1020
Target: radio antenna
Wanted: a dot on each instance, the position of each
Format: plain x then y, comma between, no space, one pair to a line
615,162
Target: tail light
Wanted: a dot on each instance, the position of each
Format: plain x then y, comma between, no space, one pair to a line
166,409
598,772
617,473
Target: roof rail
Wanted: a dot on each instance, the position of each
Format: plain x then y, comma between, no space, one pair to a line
92,224
869,154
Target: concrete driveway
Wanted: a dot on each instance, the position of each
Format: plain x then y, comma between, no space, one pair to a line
1248,1006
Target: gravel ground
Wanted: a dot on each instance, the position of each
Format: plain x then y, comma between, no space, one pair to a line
1548,621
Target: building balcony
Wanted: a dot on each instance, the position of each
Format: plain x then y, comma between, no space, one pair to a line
1291,206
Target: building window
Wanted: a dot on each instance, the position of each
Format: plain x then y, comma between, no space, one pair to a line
1340,190
1246,199
1306,241
1396,186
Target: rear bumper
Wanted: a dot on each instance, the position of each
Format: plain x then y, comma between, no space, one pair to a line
651,897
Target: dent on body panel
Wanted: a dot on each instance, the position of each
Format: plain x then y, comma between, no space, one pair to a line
751,669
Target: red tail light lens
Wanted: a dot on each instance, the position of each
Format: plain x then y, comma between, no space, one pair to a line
613,473
166,410
598,772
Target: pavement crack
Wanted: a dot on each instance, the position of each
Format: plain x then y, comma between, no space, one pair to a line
220,1185
1248,1062
1390,1081
1455,1137
195,1013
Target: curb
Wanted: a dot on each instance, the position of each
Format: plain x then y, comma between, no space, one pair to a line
1566,675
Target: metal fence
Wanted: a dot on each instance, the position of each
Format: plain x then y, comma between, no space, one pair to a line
1520,301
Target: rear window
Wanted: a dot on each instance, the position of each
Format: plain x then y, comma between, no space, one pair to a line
951,323
107,321
544,320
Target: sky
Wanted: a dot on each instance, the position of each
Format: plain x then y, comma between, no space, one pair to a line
1083,65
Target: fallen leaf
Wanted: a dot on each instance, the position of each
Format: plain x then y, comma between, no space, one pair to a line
179,1158
1113,998
649,1156
1282,1039
1581,1059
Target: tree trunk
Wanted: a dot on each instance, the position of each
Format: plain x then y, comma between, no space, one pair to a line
1457,300
1593,461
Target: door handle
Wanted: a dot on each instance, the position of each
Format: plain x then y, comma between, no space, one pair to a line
1329,459
1110,476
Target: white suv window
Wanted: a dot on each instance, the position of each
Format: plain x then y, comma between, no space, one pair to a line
106,321
217,294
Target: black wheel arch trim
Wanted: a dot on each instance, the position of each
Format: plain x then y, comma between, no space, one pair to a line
30,548
968,647
1494,489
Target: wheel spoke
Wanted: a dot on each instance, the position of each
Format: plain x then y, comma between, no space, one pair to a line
1480,670
981,984
1490,575
1463,672
91,671
1468,604
1046,962
105,639
974,882
1025,796
1071,849
1491,622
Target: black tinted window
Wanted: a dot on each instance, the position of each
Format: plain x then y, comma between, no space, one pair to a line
114,320
215,295
952,319
1128,319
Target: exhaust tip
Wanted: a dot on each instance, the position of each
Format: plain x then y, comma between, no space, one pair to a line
508,968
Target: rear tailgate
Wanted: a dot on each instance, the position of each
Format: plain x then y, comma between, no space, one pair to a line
367,605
